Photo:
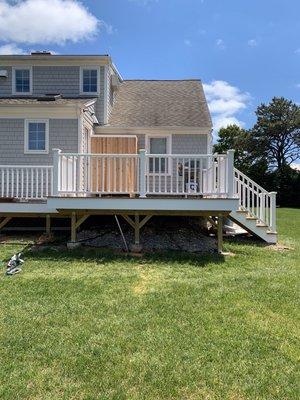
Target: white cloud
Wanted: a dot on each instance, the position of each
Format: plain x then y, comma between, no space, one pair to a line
252,43
223,121
298,86
44,21
108,28
225,101
11,48
297,51
220,44
188,43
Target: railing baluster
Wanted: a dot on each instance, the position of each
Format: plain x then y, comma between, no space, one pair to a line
47,183
42,182
2,183
7,182
27,183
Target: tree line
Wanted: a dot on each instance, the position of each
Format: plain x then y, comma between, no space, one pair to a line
266,151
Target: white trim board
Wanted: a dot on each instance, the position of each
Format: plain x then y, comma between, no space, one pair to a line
182,130
42,110
158,204
52,61
26,208
23,113
119,204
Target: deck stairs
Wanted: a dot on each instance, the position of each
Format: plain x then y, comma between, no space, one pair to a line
257,208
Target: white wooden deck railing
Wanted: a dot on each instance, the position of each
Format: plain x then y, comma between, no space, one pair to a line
26,181
81,174
143,174
183,174
259,203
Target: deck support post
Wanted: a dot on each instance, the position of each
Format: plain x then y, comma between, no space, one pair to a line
220,234
48,225
4,222
137,229
75,224
137,225
73,227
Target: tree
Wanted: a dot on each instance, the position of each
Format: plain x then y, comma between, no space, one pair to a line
233,137
265,152
245,157
276,133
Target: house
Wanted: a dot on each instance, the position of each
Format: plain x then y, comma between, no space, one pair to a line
78,140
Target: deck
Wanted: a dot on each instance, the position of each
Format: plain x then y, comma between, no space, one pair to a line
139,185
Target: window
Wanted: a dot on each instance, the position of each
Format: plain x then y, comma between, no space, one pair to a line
22,80
36,136
159,145
89,80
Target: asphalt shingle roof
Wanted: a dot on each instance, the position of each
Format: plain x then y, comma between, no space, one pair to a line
35,101
141,103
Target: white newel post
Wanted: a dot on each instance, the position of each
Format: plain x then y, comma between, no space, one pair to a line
273,211
56,172
142,189
230,173
262,202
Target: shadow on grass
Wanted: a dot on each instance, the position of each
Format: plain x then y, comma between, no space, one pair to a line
104,256
57,251
246,241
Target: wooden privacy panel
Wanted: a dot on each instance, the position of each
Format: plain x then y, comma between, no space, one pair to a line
114,144
115,169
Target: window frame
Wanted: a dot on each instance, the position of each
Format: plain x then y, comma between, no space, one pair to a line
14,88
169,151
89,67
26,136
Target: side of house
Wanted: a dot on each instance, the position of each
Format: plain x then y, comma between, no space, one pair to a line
49,101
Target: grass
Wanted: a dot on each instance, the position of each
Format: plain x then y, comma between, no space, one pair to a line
93,325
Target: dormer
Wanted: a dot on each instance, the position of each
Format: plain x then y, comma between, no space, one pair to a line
71,76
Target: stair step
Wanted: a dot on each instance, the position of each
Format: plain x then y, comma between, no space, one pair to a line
251,218
261,225
242,211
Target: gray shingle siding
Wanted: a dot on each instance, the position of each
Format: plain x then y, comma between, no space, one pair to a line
189,144
63,134
56,79
182,143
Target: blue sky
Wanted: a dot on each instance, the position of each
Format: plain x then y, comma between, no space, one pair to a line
244,51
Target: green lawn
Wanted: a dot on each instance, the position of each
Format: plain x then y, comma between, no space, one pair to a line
92,325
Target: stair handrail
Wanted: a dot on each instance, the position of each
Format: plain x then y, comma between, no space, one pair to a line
257,201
